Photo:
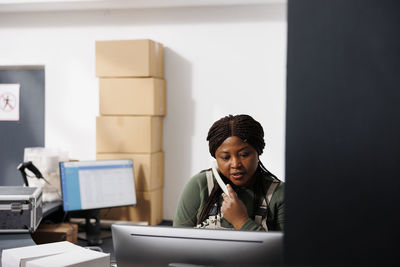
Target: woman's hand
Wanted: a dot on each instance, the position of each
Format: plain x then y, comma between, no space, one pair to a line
233,209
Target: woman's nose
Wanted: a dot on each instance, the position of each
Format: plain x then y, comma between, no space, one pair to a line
236,163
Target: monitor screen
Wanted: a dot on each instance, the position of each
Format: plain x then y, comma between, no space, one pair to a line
167,246
97,184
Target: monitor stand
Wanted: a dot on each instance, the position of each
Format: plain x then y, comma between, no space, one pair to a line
92,235
92,227
92,241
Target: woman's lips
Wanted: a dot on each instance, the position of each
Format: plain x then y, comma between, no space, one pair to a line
237,175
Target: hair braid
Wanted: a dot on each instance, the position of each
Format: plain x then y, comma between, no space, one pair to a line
242,126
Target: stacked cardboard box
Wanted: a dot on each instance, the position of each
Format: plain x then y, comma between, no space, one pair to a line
132,104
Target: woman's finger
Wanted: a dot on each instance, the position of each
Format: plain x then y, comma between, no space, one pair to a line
232,193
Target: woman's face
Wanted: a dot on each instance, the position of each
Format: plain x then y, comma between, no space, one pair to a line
237,160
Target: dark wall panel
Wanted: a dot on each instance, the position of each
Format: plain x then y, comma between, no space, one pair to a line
29,130
343,132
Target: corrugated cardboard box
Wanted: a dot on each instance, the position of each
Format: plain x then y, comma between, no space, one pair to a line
148,168
129,58
149,208
128,134
132,96
49,233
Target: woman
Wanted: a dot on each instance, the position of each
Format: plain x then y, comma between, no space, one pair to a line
255,200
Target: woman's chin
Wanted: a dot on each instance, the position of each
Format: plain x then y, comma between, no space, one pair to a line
240,182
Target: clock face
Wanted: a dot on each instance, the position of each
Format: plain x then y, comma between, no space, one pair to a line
8,101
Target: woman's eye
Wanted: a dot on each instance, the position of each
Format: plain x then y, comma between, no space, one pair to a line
225,158
243,155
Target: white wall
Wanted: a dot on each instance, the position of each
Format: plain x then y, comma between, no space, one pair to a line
218,61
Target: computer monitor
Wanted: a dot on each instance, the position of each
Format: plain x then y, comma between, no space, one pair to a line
88,186
97,184
168,246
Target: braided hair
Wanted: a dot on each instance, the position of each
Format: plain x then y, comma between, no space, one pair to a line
242,126
247,129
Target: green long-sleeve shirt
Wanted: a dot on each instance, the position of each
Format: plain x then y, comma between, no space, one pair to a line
195,195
